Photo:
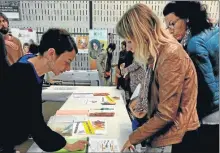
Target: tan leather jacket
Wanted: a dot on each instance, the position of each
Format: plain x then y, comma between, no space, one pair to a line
172,109
14,49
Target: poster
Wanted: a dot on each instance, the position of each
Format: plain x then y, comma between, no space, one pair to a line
97,38
25,35
82,43
11,9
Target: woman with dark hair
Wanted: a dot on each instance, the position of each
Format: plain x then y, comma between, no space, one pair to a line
104,64
189,24
21,104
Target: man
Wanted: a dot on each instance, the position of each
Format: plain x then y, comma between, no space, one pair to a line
26,48
13,45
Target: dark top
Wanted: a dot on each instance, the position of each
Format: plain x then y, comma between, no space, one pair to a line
21,111
129,58
122,56
4,65
24,59
108,62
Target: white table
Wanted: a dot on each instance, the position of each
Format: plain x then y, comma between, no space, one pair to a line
75,75
62,93
118,127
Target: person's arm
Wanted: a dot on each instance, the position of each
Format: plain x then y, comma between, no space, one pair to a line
133,67
45,138
170,79
201,57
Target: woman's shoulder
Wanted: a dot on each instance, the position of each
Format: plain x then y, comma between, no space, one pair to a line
203,37
172,50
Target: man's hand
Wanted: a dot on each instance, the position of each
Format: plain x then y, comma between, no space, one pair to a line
11,44
79,145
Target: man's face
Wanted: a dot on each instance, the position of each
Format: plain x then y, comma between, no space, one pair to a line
26,49
3,26
62,62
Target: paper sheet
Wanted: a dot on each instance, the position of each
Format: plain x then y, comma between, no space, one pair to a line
67,118
64,129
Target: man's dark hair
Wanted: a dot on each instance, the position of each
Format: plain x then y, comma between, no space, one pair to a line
59,39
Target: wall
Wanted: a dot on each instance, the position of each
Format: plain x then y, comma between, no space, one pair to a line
74,16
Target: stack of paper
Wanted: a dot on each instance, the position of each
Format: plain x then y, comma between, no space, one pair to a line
72,112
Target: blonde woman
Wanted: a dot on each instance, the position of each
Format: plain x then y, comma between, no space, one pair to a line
173,91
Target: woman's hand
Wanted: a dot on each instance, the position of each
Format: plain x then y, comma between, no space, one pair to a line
126,146
118,75
122,66
79,145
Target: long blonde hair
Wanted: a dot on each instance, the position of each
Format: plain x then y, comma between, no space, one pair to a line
142,26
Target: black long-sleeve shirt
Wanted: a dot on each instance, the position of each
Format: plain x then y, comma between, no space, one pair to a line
21,111
4,65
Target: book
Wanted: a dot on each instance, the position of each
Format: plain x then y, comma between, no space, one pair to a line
100,94
64,124
107,100
90,127
103,145
72,112
136,92
73,140
102,112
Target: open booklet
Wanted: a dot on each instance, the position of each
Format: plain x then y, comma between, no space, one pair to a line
63,124
103,145
69,125
90,127
95,145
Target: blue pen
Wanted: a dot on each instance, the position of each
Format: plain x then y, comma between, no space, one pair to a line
104,109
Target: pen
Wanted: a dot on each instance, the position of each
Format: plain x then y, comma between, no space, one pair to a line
104,109
87,146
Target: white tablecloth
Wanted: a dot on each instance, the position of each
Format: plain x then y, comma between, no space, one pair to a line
118,127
